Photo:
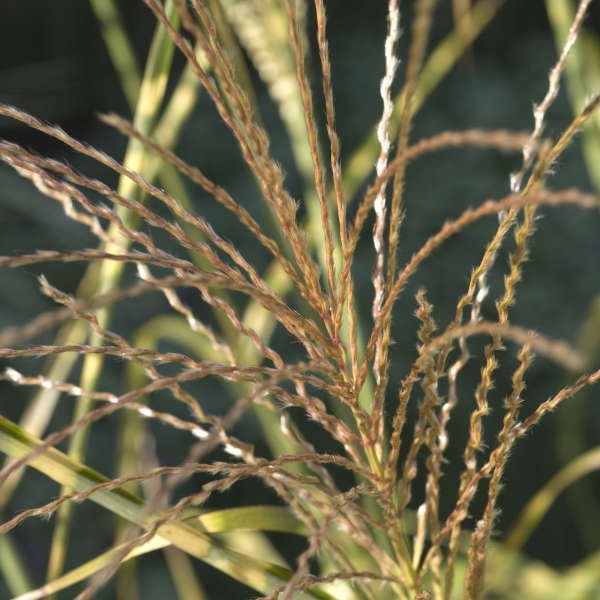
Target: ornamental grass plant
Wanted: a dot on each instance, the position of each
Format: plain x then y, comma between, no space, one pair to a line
267,364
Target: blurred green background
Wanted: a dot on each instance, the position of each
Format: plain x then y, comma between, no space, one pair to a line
53,63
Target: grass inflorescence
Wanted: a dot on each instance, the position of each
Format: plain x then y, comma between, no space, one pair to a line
380,529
